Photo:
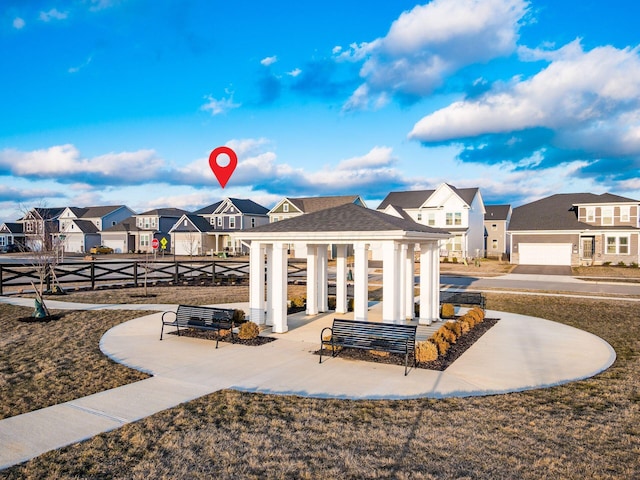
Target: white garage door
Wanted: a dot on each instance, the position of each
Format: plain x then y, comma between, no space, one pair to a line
545,254
118,245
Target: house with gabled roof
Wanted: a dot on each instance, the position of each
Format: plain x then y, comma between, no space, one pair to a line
39,224
12,233
496,222
230,215
290,207
460,211
156,223
576,229
80,228
191,235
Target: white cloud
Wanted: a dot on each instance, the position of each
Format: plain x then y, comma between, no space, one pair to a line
269,61
18,23
295,72
52,14
81,66
219,106
430,42
102,4
375,158
589,99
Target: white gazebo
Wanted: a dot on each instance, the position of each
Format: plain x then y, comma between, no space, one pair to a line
344,226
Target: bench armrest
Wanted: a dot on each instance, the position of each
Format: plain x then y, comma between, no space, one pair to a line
175,314
322,334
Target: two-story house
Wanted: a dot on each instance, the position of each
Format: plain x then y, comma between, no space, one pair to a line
80,228
12,233
39,224
460,211
576,229
230,215
156,223
496,222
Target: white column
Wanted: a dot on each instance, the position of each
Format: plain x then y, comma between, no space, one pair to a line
403,284
268,309
279,288
312,280
390,282
426,284
323,278
409,295
341,279
435,275
256,283
361,281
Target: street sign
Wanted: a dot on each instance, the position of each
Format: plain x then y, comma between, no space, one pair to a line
163,243
155,243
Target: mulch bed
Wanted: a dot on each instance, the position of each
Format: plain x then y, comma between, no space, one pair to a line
211,335
440,364
55,316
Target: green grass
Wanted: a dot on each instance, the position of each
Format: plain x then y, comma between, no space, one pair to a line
586,429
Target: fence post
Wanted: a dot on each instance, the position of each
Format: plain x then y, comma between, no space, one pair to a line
135,273
1,286
47,274
176,278
213,272
93,275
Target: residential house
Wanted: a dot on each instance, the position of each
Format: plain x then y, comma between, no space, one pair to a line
576,229
80,228
496,221
155,223
229,216
39,224
122,237
290,207
12,233
191,235
460,211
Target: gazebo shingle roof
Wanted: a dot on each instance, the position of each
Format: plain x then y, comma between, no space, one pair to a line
345,218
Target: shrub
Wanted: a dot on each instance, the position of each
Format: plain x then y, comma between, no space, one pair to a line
464,326
454,260
443,345
622,264
331,303
350,305
447,310
426,351
223,333
606,264
238,317
446,334
634,264
378,353
248,331
454,327
445,260
298,301
327,338
470,319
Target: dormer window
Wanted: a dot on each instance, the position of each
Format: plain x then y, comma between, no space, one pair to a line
285,208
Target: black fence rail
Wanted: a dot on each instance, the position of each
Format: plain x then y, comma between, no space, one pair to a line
92,274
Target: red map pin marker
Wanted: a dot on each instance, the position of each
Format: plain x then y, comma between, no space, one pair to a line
223,172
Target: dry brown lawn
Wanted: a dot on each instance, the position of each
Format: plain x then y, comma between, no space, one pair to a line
586,429
46,363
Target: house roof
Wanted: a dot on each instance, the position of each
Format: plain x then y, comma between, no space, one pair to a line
99,212
127,225
14,227
164,212
85,226
416,198
315,204
346,218
209,209
46,213
559,212
200,223
244,205
496,212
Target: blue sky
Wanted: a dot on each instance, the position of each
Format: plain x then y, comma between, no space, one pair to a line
121,101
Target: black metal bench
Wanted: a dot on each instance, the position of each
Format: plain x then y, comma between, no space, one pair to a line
201,318
475,299
384,337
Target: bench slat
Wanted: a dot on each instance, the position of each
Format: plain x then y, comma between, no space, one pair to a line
201,318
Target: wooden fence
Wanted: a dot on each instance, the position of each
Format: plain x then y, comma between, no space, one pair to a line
92,274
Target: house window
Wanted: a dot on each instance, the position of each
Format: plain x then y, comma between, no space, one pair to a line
212,221
618,245
607,216
494,226
113,224
624,213
494,244
154,222
253,222
419,217
144,240
591,215
285,208
457,218
29,227
219,222
3,241
431,219
449,219
147,222
232,222
185,223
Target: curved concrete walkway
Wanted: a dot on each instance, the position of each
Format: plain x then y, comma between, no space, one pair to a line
518,353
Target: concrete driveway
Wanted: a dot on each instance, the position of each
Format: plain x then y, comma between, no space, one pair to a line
542,270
